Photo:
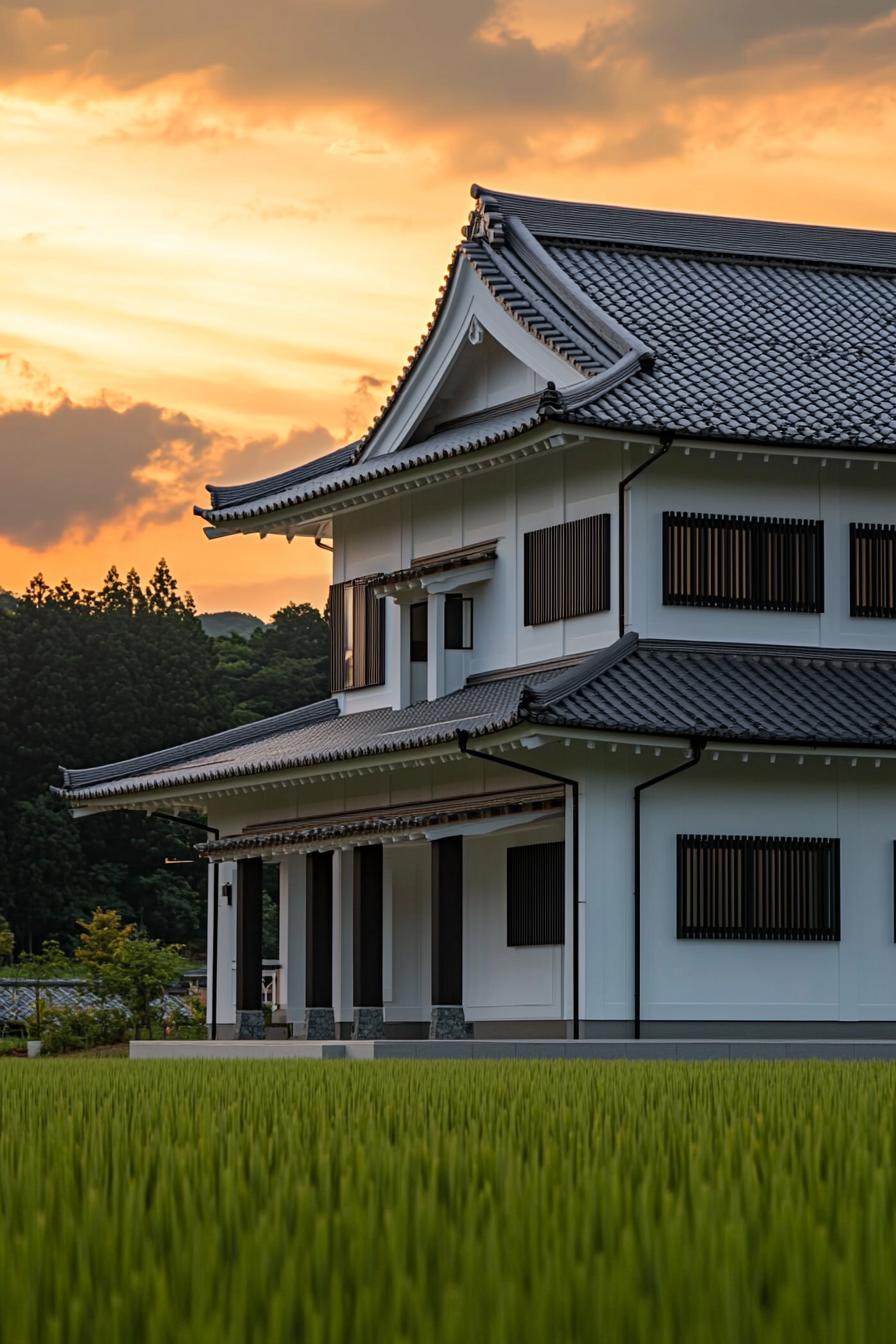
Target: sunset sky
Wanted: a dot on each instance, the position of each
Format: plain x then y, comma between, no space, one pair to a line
224,222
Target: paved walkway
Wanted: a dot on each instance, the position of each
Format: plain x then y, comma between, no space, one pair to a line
387,1049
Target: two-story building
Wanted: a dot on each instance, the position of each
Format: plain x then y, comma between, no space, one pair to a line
611,744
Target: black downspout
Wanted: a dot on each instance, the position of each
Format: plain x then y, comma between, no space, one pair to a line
462,740
666,438
213,988
697,745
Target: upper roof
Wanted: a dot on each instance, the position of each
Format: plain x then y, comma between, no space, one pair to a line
723,692
706,327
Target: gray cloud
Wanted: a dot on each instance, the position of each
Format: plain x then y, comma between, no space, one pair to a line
78,465
268,456
703,38
431,58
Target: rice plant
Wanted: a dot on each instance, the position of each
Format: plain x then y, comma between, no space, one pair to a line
501,1202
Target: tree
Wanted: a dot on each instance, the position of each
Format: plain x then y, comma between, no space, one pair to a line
281,666
141,970
49,964
7,940
100,942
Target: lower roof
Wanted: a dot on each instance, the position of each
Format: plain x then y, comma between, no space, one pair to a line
721,692
392,822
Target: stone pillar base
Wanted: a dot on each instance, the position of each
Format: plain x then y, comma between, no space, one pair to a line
447,1023
319,1025
249,1024
367,1024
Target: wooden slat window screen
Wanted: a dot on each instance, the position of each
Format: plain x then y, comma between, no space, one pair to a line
758,887
535,904
762,564
872,569
357,636
567,570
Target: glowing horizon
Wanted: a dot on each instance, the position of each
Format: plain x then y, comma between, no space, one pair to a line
224,225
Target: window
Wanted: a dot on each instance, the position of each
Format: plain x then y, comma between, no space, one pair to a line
872,569
535,902
762,564
567,570
758,887
357,636
458,621
419,616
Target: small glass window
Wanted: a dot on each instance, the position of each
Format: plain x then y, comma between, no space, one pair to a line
458,621
419,632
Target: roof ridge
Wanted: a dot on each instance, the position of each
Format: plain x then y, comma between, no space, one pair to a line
583,306
758,240
817,653
573,679
228,737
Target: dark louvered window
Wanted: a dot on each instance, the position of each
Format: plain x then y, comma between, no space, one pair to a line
567,570
535,895
872,569
764,564
357,636
758,887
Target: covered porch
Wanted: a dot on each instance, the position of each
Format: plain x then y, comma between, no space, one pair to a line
444,919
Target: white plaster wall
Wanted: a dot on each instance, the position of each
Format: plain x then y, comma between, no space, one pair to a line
779,487
852,980
550,488
502,982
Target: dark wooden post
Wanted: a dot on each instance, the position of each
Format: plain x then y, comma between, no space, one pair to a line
319,1016
367,942
447,939
249,1016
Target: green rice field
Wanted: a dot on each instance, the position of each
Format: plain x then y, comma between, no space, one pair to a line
464,1203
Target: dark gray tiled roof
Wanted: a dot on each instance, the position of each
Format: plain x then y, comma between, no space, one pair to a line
772,352
226,496
218,743
18,998
482,708
741,693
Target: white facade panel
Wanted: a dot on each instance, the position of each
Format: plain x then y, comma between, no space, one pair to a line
501,982
720,980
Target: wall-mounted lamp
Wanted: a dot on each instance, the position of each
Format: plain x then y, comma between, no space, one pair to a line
227,892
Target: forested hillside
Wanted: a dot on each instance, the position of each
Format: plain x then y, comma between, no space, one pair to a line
88,677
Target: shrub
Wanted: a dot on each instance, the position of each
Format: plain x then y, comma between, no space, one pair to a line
64,1029
12,1045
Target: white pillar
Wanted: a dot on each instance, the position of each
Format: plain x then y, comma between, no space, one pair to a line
292,936
226,977
435,672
